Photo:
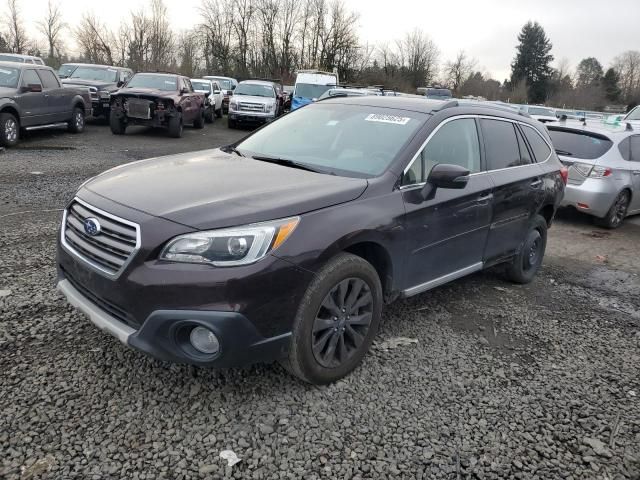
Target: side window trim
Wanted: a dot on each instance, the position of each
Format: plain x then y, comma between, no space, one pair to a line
525,143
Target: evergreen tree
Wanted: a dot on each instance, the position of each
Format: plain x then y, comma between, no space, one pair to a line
610,82
533,62
589,72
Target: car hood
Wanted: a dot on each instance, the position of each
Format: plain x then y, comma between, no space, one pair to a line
7,92
79,82
154,92
253,99
213,189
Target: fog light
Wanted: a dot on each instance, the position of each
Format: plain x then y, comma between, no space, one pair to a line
204,340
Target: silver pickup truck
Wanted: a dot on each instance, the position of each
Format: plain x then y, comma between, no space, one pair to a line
32,98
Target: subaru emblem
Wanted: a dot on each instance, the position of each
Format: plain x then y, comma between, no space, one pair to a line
92,227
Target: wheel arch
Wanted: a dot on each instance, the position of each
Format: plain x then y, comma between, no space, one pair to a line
547,212
379,257
12,109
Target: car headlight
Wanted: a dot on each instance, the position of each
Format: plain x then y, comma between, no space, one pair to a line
233,105
229,247
270,107
104,94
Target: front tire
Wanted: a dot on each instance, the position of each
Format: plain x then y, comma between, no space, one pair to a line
76,124
175,126
618,211
210,115
219,113
199,121
9,130
231,123
527,262
337,320
118,126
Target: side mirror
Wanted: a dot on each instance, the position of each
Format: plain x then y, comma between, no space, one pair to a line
120,83
184,90
233,87
33,87
206,94
444,175
216,92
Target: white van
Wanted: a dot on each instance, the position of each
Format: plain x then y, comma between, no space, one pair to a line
310,84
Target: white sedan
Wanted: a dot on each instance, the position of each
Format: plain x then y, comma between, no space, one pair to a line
213,103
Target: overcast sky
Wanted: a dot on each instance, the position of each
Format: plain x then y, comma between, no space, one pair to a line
486,29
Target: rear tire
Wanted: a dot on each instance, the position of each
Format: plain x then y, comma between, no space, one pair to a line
118,126
9,130
526,263
175,126
210,116
618,211
336,322
231,123
76,124
199,121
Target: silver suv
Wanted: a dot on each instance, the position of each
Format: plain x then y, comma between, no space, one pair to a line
604,168
253,102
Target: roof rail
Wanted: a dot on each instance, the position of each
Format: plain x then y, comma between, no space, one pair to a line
316,71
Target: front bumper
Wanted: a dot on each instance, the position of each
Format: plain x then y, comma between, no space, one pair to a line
251,117
160,335
594,196
100,107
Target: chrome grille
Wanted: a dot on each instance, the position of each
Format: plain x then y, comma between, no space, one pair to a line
251,107
138,108
108,251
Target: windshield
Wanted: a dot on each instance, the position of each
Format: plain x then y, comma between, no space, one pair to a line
541,111
9,77
66,70
204,86
348,140
633,114
224,83
149,80
579,144
310,90
254,90
10,58
95,73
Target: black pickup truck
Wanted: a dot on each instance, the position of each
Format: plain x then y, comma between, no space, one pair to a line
32,98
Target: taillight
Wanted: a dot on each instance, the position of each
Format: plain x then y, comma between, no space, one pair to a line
564,173
600,172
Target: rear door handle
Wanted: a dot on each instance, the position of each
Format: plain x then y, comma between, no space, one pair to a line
536,183
485,198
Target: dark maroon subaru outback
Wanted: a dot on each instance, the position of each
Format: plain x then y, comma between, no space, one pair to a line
286,245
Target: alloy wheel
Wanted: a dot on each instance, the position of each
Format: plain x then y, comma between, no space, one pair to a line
620,208
79,120
342,322
10,130
533,250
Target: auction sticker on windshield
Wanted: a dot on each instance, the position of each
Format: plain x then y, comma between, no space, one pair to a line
377,117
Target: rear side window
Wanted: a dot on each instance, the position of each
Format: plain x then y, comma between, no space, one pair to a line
48,79
501,144
539,147
30,77
579,144
525,156
630,148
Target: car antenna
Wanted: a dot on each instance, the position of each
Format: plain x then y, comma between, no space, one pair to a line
629,127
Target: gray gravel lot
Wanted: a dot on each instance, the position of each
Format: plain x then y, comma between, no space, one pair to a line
536,381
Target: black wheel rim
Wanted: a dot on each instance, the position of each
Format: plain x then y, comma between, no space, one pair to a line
620,209
342,322
533,251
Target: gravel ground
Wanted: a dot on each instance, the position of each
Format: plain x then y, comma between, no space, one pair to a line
491,380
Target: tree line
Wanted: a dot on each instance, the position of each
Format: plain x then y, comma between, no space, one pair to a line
274,38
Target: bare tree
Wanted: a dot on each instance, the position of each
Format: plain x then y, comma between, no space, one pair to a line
188,52
161,37
17,36
95,40
51,26
216,31
458,70
419,57
243,18
627,65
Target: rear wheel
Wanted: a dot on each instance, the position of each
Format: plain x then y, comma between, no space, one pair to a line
526,263
231,123
175,125
337,320
9,130
117,124
219,113
76,124
617,212
210,115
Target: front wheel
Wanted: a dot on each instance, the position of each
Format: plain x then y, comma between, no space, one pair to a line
219,113
210,115
76,124
199,121
618,211
526,263
118,126
9,130
175,126
337,320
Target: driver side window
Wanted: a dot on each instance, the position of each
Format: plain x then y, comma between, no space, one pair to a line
455,143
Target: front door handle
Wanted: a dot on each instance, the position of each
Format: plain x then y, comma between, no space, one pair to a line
636,172
485,198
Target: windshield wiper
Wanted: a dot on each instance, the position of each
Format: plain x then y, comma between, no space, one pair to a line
287,163
564,152
232,149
